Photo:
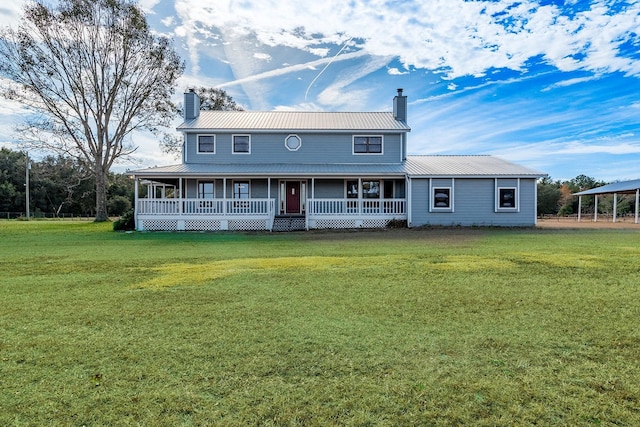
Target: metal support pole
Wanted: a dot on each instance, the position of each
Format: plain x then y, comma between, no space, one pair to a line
637,198
579,208
27,168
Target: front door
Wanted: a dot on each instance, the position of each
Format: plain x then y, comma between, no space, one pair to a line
292,198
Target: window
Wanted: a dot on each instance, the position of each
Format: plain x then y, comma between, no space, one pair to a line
205,190
507,198
367,144
240,190
241,144
206,144
441,198
370,189
293,142
352,189
388,189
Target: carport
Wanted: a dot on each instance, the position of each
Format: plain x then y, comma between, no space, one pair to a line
625,187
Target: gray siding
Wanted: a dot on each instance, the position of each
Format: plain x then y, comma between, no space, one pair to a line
315,149
258,188
474,203
329,188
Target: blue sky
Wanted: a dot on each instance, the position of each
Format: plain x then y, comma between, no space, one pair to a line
553,85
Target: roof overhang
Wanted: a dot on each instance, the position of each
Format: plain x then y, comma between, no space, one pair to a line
623,187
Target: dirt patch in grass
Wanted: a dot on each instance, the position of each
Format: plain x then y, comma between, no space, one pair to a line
588,223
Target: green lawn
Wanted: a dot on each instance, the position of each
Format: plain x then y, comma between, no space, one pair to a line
402,327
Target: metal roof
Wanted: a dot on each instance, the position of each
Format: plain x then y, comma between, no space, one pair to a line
294,121
466,166
415,167
617,187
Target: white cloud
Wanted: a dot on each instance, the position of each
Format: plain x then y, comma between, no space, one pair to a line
262,56
10,12
148,5
570,82
393,71
456,36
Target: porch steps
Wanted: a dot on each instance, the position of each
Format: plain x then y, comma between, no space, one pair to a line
289,223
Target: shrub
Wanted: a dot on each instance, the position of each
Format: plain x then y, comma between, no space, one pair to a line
118,205
126,222
397,223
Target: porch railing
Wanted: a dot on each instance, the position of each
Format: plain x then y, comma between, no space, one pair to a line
205,207
375,207
316,207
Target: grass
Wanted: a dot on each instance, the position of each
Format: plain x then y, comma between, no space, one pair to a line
404,327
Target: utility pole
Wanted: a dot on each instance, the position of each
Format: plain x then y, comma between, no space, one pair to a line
27,185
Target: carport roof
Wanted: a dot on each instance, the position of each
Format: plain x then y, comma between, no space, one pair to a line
617,187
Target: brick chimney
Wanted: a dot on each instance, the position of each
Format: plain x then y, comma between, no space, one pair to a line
191,105
400,107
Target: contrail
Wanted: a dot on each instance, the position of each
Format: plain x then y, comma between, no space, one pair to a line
325,67
290,69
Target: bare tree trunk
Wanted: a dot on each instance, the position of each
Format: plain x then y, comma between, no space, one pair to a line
101,194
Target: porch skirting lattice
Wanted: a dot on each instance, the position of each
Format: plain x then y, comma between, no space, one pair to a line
160,224
202,225
248,224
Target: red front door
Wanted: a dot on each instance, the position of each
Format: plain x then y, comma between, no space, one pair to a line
293,197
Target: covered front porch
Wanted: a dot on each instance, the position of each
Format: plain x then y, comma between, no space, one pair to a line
267,203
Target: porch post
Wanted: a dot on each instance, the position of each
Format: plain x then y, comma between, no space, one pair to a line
579,207
135,199
224,196
595,209
615,206
181,199
359,195
269,204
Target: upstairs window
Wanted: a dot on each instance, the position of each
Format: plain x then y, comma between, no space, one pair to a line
241,144
364,144
293,142
207,144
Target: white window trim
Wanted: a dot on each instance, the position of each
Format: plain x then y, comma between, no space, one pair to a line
233,143
242,181
293,135
433,199
200,181
516,189
353,145
198,143
452,198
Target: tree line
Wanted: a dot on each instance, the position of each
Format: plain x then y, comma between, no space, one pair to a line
58,186
62,186
556,197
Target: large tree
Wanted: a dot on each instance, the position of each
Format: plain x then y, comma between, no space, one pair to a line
92,73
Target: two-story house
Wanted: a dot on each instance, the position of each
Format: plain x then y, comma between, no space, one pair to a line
294,170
